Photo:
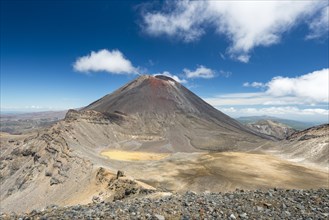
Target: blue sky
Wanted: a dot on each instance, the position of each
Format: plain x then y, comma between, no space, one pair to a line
251,58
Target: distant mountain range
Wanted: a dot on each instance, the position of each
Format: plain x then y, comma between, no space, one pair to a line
298,125
22,122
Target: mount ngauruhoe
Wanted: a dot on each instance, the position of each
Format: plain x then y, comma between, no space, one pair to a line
165,139
172,118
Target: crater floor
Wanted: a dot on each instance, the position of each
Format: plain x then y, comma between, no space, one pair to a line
224,171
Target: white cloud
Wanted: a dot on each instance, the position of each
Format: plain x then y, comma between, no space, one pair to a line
277,111
183,20
314,87
200,72
237,20
105,60
258,98
225,74
244,58
254,84
176,78
308,89
293,113
222,56
320,25
151,62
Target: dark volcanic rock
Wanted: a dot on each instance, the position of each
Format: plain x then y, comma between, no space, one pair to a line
283,204
120,174
183,122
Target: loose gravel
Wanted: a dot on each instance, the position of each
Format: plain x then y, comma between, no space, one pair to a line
240,204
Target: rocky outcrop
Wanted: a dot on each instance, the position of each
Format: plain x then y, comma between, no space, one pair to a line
118,187
272,128
310,145
40,164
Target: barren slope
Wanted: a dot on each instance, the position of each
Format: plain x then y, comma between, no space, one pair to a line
43,169
159,106
310,145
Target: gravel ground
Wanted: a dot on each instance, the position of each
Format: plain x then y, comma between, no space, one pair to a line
270,204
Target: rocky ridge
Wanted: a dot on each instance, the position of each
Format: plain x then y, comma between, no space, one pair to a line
310,145
270,204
